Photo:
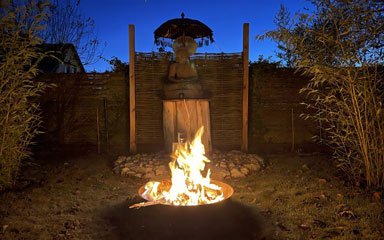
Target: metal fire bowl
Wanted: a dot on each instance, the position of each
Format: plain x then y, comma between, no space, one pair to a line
227,190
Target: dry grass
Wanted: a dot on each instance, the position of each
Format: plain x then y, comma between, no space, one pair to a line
293,198
305,201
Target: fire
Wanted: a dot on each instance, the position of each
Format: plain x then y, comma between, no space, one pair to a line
188,186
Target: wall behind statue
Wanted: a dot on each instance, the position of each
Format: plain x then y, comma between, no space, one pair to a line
274,122
274,96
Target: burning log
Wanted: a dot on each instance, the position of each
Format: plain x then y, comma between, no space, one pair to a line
187,187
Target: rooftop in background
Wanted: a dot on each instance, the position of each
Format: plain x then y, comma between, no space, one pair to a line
61,58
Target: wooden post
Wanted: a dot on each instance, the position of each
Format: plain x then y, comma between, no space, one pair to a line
293,131
244,139
98,128
132,92
105,108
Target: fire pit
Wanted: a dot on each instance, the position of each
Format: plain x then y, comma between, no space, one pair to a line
187,186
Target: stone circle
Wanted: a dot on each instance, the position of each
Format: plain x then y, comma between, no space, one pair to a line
224,165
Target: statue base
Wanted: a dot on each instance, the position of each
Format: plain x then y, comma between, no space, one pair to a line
183,90
186,116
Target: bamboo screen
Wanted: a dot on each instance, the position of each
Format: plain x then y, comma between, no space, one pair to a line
221,76
93,106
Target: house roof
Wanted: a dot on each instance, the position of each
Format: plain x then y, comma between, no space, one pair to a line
56,54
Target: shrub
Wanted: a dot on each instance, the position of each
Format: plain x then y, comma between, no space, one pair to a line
341,47
19,113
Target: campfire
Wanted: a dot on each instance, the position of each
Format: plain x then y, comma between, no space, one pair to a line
187,186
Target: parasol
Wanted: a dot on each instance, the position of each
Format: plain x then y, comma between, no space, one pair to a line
177,27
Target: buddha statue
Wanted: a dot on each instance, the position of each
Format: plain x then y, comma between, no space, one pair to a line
182,79
182,69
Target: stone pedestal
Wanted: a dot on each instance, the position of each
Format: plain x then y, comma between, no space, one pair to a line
186,116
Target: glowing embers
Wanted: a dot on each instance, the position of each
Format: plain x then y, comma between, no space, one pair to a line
188,186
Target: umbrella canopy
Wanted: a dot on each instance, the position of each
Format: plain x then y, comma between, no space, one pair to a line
174,28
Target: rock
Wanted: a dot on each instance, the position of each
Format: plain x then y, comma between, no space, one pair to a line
148,169
125,171
252,166
235,152
161,170
223,165
244,171
117,170
120,159
231,165
235,173
141,169
149,175
256,158
128,165
139,175
220,174
305,167
236,158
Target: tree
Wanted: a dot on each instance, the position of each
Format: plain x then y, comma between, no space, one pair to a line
283,23
118,65
60,108
66,24
20,23
340,46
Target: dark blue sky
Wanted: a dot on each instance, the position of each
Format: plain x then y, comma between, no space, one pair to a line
224,17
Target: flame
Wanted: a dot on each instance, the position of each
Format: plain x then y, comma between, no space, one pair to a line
188,186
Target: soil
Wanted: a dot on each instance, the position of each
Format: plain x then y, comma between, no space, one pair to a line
77,196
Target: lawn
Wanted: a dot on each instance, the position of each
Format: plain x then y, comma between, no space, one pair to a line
78,196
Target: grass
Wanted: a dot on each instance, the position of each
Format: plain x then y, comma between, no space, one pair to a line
293,198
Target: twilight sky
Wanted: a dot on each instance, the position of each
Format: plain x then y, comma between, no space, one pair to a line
224,17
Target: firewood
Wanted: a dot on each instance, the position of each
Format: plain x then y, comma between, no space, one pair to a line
144,204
